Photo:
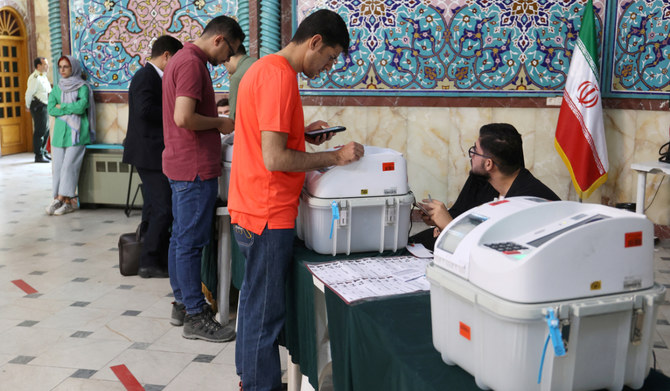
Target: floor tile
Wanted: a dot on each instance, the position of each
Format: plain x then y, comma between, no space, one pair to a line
135,329
80,318
73,383
81,353
205,377
172,341
32,377
149,367
30,341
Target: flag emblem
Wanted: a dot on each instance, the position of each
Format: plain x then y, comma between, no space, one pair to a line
580,134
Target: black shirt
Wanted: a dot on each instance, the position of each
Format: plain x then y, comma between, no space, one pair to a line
477,191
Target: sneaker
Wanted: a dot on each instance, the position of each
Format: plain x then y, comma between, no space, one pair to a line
55,204
178,314
66,207
203,326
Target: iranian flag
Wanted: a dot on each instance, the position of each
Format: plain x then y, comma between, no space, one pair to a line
580,135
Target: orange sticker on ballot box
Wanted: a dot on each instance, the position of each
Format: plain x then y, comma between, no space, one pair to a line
633,239
388,166
464,330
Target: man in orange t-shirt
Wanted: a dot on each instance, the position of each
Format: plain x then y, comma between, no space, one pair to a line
269,161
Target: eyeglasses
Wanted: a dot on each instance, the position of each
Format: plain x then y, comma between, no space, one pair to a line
231,52
473,151
64,67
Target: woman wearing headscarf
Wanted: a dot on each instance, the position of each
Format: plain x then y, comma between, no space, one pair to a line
71,102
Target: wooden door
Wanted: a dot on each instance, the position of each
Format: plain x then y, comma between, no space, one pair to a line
15,120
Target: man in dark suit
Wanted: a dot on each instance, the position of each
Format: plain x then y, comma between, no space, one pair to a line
143,148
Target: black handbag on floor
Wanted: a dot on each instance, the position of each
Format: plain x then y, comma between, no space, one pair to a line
130,250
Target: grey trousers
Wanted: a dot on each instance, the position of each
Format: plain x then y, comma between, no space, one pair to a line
38,111
66,163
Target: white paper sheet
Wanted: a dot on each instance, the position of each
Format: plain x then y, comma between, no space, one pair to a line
357,279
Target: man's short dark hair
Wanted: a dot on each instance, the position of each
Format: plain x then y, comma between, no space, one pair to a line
222,102
226,26
38,61
326,23
165,43
503,142
241,50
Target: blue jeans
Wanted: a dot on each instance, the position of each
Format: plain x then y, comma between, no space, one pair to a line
262,309
193,210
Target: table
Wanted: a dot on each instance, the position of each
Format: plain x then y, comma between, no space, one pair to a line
386,344
305,332
643,169
379,344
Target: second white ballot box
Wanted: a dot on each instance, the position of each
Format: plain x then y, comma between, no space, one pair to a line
362,206
227,159
528,294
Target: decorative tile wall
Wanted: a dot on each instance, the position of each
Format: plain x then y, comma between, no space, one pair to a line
113,38
641,60
452,46
484,47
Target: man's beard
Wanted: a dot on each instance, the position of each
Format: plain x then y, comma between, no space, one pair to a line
483,175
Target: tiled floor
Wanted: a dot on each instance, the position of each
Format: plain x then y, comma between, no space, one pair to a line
85,318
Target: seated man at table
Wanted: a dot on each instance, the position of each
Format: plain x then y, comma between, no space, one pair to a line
498,171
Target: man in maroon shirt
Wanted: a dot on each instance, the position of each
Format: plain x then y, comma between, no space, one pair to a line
192,163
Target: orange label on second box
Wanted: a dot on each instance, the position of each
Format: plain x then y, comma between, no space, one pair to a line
388,166
633,239
464,330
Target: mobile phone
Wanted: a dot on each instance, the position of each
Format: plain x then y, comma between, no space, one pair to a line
332,129
421,208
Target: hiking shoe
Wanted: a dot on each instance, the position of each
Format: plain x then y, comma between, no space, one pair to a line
203,326
53,206
65,208
178,314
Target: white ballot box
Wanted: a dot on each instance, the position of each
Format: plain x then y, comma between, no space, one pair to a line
227,160
502,269
363,206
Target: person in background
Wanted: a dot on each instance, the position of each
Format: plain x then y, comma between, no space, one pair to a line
143,148
498,171
268,171
192,163
37,95
71,102
237,66
222,107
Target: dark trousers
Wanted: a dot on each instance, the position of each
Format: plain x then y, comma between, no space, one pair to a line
156,218
38,110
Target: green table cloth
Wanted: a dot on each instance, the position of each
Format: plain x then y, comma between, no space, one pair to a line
299,334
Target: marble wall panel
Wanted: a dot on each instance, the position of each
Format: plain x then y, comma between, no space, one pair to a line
435,143
42,34
112,122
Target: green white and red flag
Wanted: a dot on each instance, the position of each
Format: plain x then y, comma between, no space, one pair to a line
580,134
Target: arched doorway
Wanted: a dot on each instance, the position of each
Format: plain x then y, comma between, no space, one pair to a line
15,121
